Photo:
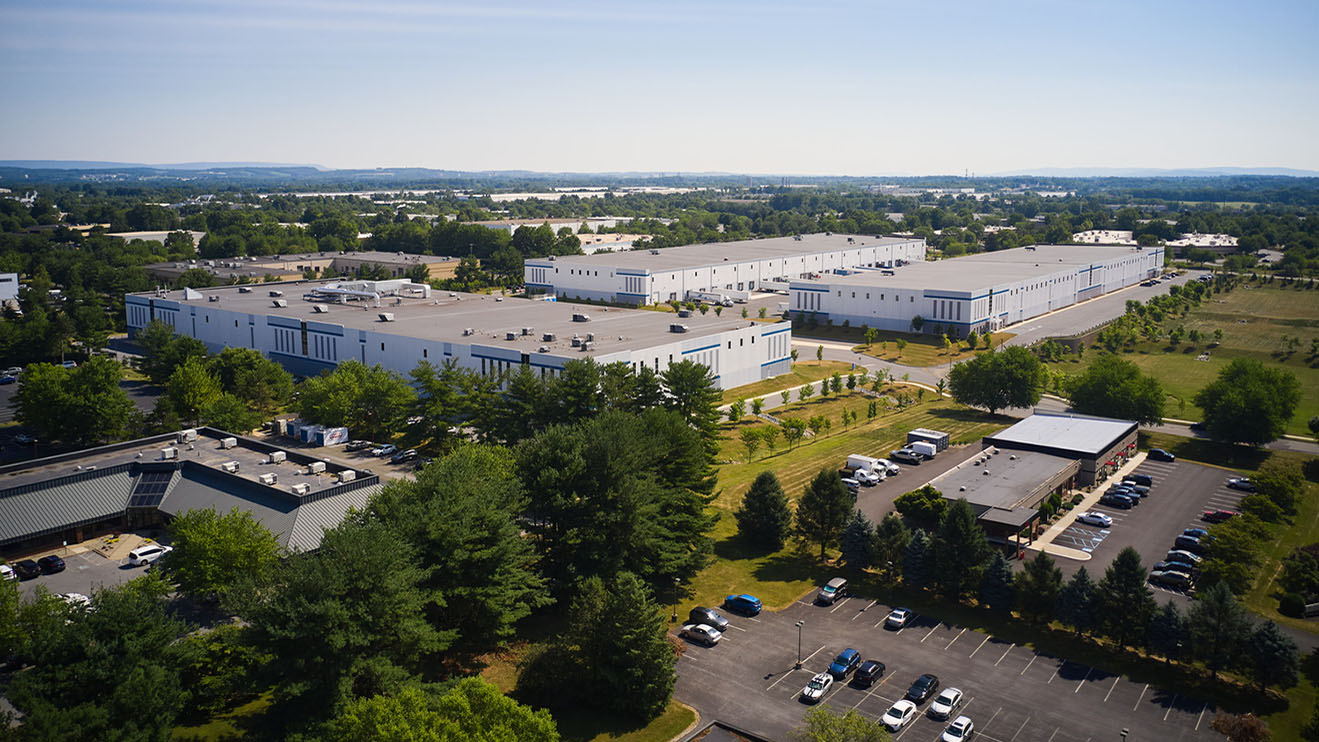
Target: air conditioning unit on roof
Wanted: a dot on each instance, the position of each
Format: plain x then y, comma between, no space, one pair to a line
269,478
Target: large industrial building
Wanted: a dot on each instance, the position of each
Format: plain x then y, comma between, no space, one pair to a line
673,273
292,267
311,326
74,497
980,292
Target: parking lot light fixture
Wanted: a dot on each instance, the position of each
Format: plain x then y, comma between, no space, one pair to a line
676,582
1125,732
799,625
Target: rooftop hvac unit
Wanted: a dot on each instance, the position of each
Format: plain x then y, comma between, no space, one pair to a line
277,457
590,336
581,317
347,475
280,303
468,331
269,478
587,346
320,308
301,488
543,349
316,467
510,336
528,330
656,252
187,436
576,341
169,453
274,292
228,443
547,337
212,297
230,466
386,316
244,290
677,328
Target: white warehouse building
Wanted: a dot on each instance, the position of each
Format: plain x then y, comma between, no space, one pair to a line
311,326
982,292
666,274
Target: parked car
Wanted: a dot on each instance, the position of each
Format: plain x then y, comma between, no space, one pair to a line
358,446
14,371
747,605
907,455
1199,427
69,364
8,379
897,618
890,469
844,663
923,688
7,573
869,671
1158,454
817,687
1121,502
23,439
832,591
1095,519
421,462
899,715
947,702
50,564
702,634
1181,555
144,555
959,731
709,617
1136,489
1188,543
27,569
866,478
1241,483
403,457
389,449
1199,533
1143,480
1170,579
1181,567
853,486
1217,516
76,600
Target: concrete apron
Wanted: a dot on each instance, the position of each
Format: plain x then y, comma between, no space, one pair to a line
1045,541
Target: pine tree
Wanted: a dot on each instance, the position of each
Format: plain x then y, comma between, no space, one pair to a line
765,520
1124,602
1076,602
624,643
960,551
858,542
1310,732
996,589
1274,658
915,561
823,510
1037,588
891,539
1165,632
1218,626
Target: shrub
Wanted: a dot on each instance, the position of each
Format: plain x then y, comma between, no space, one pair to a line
1292,605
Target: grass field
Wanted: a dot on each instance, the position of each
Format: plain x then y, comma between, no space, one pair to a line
1253,321
801,373
921,350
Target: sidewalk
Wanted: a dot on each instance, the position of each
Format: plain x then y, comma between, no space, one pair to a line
1045,542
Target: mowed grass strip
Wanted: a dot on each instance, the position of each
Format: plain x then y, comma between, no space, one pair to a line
802,373
922,349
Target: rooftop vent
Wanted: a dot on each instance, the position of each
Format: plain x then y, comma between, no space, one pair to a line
187,436
269,478
280,303
277,456
319,308
590,336
986,471
301,488
543,349
587,346
499,298
212,297
654,252
230,466
386,316
1013,457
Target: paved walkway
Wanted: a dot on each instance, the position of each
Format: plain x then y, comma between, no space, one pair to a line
1045,541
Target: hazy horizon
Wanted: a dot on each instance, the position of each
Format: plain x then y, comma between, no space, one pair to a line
863,89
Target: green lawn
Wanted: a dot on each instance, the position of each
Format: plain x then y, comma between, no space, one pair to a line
922,349
801,373
590,725
1253,321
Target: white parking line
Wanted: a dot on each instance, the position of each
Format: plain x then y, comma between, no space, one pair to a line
1110,690
871,692
1201,717
863,610
955,638
1055,733
1005,653
1171,703
977,649
1023,726
739,628
1087,677
927,636
1028,664
786,674
1055,672
1142,695
840,605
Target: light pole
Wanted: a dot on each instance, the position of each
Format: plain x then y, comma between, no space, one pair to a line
675,599
799,625
1125,731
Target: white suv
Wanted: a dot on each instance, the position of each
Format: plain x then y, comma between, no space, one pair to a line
144,555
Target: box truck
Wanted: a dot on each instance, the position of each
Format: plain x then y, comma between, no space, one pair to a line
856,461
924,448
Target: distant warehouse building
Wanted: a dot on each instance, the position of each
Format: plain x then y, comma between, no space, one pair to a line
673,273
292,267
981,292
312,326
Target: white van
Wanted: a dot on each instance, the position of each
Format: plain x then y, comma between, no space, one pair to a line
144,555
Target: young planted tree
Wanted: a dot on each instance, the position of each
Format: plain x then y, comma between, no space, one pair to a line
770,434
786,397
757,406
765,519
819,353
823,510
751,439
736,410
793,430
805,392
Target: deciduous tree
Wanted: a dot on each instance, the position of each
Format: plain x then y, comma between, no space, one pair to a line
1007,377
1249,402
1115,387
214,553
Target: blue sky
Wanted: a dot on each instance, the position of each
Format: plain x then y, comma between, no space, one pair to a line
855,88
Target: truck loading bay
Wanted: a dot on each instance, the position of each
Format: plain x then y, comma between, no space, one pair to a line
1012,693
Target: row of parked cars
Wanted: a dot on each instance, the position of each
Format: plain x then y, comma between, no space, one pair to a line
28,569
864,673
1128,493
396,456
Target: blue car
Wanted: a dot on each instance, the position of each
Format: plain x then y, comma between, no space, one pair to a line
747,605
845,663
1195,532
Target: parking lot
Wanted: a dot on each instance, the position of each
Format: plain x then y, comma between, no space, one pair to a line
1012,693
1181,493
84,573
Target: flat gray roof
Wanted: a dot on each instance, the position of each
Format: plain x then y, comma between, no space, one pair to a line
1078,434
1014,477
717,253
445,316
982,270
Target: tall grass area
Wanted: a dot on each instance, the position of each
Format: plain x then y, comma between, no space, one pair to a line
802,372
1254,320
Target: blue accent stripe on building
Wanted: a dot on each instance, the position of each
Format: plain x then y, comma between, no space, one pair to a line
303,359
776,360
775,332
954,298
130,299
291,324
629,293
698,350
630,273
533,283
802,288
